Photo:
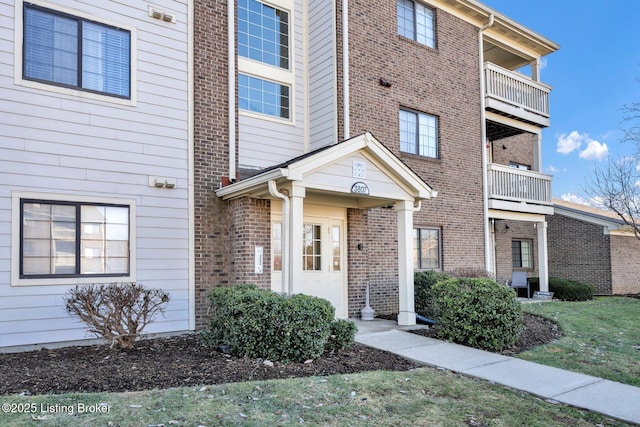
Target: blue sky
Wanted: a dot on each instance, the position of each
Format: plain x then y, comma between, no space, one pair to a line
594,74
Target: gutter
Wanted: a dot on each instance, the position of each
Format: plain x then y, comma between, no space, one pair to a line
231,71
345,69
286,282
488,245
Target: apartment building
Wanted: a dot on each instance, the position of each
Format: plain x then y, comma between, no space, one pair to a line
94,159
308,147
344,145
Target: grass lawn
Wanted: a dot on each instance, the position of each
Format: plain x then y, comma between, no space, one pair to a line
601,338
423,397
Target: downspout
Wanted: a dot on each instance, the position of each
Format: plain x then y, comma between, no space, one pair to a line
345,69
273,190
191,157
488,249
231,58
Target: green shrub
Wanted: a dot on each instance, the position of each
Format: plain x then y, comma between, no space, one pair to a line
567,290
423,283
260,323
477,312
343,335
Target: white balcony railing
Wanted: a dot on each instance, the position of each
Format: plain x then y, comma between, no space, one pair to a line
517,185
516,90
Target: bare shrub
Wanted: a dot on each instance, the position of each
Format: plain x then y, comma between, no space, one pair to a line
118,311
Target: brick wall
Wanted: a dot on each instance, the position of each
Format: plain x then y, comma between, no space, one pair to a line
625,269
443,82
212,221
518,149
376,263
250,226
579,251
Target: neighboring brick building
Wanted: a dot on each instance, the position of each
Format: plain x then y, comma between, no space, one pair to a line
593,246
341,162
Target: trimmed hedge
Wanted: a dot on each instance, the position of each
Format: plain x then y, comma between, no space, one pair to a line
423,283
567,290
477,312
260,323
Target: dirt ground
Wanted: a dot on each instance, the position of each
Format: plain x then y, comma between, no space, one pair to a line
184,361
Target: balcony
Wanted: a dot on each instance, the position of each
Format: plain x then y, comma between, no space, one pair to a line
514,95
519,190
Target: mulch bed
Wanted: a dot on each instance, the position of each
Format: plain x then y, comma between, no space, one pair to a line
184,361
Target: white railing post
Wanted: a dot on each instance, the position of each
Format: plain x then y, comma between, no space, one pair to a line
516,89
519,185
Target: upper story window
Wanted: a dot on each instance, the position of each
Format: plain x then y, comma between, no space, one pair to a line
418,133
265,71
263,33
68,51
416,22
263,96
68,239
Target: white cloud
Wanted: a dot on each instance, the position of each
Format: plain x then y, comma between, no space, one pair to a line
595,151
552,169
574,198
571,142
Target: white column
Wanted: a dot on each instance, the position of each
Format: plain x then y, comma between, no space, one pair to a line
407,313
296,226
543,263
535,70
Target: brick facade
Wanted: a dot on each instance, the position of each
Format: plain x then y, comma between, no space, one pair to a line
579,251
625,270
211,145
419,83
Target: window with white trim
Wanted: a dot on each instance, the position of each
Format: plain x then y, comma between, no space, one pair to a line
265,75
416,22
522,253
73,52
74,239
418,133
263,96
426,248
263,33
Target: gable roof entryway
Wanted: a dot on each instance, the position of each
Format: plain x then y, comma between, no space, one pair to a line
359,173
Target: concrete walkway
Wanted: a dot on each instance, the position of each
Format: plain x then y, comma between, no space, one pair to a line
614,399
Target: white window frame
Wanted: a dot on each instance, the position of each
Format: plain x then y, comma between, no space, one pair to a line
419,267
415,37
272,73
529,242
16,280
416,143
18,58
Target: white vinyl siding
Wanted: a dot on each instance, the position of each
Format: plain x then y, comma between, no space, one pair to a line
264,141
322,78
81,147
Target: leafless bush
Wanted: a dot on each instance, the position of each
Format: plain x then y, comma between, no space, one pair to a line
471,272
118,311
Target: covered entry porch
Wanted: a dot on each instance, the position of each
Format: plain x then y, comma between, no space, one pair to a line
310,196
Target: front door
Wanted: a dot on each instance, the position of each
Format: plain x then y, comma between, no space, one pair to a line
323,255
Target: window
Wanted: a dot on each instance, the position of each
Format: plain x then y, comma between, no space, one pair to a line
522,253
263,96
265,77
418,133
312,248
263,33
277,246
426,248
415,22
68,51
65,239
